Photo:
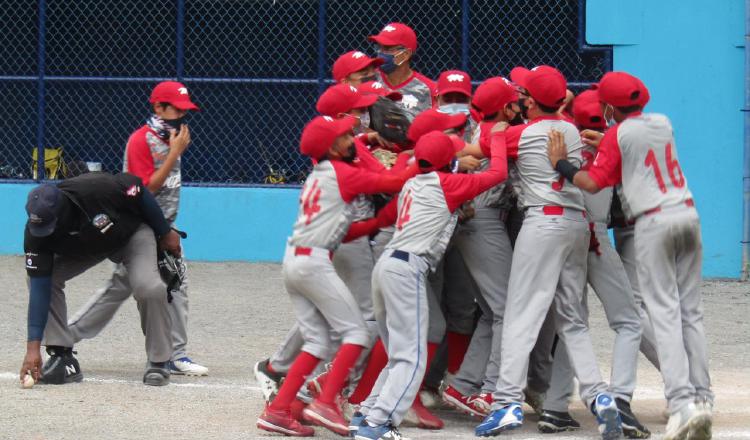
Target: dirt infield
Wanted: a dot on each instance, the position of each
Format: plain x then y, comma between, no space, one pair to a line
239,313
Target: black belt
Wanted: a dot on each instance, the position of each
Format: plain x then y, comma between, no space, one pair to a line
401,255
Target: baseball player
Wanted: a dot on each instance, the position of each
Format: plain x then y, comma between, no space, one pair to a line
607,276
73,226
549,261
152,153
426,218
484,245
639,152
397,44
321,300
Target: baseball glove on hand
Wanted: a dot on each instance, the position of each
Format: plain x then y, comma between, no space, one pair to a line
172,271
389,120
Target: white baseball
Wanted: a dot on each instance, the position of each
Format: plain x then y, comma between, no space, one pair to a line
28,381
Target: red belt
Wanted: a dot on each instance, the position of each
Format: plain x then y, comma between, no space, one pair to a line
689,203
306,251
556,210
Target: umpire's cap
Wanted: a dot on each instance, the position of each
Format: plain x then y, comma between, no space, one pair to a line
41,206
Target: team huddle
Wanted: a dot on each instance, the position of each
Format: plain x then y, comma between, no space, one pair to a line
445,260
442,255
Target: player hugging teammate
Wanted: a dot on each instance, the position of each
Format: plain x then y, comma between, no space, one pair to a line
407,223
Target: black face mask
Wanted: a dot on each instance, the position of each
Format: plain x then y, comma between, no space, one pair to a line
175,123
365,79
517,120
524,109
352,154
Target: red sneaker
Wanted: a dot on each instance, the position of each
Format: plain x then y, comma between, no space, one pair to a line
327,416
282,422
315,385
424,418
462,403
481,404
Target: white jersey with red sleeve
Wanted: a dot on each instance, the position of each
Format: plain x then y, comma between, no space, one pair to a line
428,203
540,184
640,153
326,210
418,93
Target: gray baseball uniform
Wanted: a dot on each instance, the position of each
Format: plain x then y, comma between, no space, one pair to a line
549,264
91,319
667,245
417,93
426,220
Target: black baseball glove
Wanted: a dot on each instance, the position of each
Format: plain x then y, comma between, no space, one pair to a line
389,120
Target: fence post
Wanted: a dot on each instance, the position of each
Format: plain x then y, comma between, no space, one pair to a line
40,104
180,40
321,45
465,36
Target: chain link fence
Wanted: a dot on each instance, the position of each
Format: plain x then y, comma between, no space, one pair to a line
75,76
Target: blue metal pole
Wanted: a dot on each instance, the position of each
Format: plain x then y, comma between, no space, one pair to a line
465,35
180,37
746,172
321,45
40,105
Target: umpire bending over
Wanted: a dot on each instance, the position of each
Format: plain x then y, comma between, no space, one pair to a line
74,225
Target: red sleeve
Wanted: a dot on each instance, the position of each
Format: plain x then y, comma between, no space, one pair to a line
485,132
140,161
459,188
512,138
607,167
366,159
354,181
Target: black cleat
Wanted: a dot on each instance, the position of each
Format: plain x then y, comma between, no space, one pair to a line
551,422
631,427
157,374
61,367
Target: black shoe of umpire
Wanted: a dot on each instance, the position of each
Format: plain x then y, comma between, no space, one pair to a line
631,427
61,367
157,374
551,422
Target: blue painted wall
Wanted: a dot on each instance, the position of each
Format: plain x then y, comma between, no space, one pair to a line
690,54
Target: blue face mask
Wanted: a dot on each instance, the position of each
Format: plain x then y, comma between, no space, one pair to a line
456,108
389,65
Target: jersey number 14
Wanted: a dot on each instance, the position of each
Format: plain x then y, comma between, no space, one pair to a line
311,202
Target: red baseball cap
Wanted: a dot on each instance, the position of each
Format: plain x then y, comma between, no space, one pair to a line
351,62
434,120
342,98
454,81
621,89
587,111
544,83
396,34
174,93
377,88
493,95
319,134
436,148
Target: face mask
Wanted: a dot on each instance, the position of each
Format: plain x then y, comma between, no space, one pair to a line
517,120
390,64
352,150
453,109
175,123
365,79
524,109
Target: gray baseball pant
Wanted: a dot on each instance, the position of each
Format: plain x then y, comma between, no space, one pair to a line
400,301
138,258
669,255
549,266
625,246
484,245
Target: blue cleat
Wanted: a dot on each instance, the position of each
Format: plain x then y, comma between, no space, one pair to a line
357,420
504,419
607,417
380,432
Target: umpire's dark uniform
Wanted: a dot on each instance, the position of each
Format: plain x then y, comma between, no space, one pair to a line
73,226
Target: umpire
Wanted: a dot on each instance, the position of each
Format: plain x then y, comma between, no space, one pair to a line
74,225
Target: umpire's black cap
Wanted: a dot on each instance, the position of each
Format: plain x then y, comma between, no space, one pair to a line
42,206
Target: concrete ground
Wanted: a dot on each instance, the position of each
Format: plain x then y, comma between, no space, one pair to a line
239,313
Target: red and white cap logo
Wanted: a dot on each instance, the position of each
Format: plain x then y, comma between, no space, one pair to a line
389,28
357,55
456,77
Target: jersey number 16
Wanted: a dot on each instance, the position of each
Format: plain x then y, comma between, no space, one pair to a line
673,168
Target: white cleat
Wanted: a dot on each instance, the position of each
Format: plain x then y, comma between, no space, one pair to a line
185,366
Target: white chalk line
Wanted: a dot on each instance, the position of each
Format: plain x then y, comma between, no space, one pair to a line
218,386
